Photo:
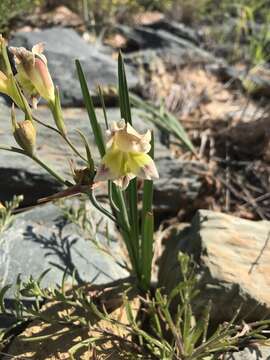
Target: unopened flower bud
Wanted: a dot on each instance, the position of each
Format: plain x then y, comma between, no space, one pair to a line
25,134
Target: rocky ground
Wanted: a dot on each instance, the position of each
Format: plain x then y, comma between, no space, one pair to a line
230,172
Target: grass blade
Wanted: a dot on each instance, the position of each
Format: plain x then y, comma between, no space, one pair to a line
164,120
147,249
91,110
123,91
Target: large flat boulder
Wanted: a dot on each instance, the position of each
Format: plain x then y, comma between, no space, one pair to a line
63,46
42,239
233,263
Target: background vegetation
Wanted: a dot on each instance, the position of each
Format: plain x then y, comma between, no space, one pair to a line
240,25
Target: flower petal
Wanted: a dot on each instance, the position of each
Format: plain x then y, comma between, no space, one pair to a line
123,181
148,171
103,173
33,74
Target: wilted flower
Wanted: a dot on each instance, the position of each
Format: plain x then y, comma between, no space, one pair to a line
8,85
83,176
24,133
126,156
33,74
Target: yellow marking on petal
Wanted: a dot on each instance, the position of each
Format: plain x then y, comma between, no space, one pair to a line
115,160
126,156
137,160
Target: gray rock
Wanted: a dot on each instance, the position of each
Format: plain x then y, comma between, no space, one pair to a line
177,29
179,186
255,353
257,81
232,255
171,45
41,239
63,46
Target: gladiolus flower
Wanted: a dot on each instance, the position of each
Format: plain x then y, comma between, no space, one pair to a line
33,74
126,156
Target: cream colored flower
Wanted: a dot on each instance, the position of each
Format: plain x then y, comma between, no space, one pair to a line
126,156
33,74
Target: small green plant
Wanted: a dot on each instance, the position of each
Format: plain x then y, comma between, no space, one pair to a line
256,34
173,331
6,213
80,215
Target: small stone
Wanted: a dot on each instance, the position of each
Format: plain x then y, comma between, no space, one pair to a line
41,238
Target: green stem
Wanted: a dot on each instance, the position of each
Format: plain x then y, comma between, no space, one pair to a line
63,137
99,207
49,169
12,149
74,148
38,161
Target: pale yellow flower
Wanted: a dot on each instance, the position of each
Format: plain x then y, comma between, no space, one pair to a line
126,156
33,73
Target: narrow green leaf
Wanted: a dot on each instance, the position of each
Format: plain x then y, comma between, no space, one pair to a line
91,110
148,188
123,91
91,164
132,195
146,209
147,249
103,106
164,120
2,295
128,309
42,275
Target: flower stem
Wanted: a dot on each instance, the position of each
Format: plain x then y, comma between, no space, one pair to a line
38,161
66,139
93,200
49,170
